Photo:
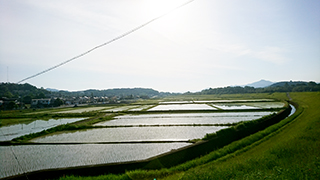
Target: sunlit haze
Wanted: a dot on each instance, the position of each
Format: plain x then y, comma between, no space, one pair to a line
206,43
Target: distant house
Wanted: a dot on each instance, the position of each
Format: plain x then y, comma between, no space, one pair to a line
83,100
70,100
9,103
40,102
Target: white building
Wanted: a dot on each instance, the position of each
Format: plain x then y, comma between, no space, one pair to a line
35,102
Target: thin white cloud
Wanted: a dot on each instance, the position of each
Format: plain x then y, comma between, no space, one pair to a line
200,42
98,15
271,54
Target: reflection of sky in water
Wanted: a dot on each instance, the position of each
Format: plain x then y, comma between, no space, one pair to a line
171,133
234,106
10,132
81,110
35,157
175,102
184,118
293,110
249,105
181,107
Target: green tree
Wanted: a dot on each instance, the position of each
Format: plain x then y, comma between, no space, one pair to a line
12,105
27,99
8,94
57,102
41,95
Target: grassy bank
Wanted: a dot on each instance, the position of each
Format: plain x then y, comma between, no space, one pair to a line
286,150
291,153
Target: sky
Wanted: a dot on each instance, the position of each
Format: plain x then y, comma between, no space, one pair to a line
206,43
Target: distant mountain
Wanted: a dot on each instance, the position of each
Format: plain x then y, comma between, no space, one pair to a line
52,90
260,84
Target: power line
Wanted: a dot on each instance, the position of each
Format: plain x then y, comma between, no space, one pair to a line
106,43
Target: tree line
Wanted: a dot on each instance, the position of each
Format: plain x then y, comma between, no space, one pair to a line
14,95
287,86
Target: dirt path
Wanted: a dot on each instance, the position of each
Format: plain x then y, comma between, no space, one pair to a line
91,119
288,95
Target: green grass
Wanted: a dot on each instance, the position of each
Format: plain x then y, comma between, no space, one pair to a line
286,150
102,177
290,153
7,122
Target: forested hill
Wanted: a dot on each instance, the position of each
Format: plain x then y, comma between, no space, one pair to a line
286,86
12,90
28,92
292,83
122,92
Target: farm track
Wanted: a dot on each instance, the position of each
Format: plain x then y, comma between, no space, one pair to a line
88,120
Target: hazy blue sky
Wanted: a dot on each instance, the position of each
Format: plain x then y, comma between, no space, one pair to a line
207,43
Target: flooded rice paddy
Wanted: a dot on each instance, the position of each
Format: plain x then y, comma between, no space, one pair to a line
233,106
127,134
224,105
217,101
168,107
36,157
154,128
184,118
249,105
10,132
81,110
176,102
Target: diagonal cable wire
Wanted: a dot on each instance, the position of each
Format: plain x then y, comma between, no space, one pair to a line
106,43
